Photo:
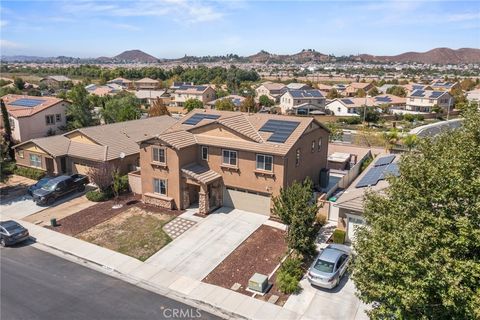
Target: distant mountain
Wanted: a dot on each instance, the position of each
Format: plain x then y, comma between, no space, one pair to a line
133,56
304,56
434,56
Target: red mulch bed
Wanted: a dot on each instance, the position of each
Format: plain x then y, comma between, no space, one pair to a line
261,253
89,217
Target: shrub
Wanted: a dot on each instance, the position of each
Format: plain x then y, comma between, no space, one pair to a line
350,120
339,236
8,167
289,275
31,173
124,186
99,196
321,219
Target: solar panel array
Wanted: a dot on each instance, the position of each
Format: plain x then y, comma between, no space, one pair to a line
418,93
197,117
306,94
383,99
197,88
24,102
281,129
347,101
382,168
436,94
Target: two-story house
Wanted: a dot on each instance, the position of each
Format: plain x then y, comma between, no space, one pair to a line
57,82
124,83
204,93
147,84
445,85
423,101
293,99
219,158
272,90
33,117
352,89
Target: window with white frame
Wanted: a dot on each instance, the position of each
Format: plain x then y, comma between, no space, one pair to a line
230,157
158,155
313,146
264,162
20,154
58,117
35,160
319,145
204,153
160,186
297,158
49,119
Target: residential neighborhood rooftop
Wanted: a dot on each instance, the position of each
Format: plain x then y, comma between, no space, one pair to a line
25,106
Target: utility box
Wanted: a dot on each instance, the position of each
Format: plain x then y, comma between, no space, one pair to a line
324,177
258,283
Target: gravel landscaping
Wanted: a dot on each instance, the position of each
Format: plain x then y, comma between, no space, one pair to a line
259,253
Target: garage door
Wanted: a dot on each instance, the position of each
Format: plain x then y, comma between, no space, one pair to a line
80,168
353,223
248,201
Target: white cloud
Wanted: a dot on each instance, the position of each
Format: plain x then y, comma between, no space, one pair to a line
6,44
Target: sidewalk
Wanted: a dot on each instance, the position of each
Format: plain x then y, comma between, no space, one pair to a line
230,303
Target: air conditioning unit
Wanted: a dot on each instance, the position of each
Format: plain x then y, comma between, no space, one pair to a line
258,283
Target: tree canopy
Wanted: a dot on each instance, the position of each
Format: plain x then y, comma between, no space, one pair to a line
191,104
266,101
80,111
419,257
121,108
225,105
397,91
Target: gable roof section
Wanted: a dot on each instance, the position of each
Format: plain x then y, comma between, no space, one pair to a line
19,106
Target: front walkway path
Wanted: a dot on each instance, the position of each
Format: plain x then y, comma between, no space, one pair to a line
200,249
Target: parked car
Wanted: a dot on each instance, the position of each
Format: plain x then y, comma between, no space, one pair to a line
330,265
11,232
40,183
58,187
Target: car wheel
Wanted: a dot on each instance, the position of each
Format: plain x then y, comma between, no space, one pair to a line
50,201
2,243
81,189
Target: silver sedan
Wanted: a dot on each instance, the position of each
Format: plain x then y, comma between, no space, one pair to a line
329,266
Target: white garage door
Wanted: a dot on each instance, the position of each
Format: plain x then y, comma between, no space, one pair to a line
248,201
353,223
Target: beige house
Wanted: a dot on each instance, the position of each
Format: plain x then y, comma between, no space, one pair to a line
423,101
80,149
203,93
33,117
57,82
352,89
220,158
291,99
124,83
147,84
272,90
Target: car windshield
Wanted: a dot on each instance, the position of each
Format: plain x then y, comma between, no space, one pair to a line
324,266
49,186
11,226
42,182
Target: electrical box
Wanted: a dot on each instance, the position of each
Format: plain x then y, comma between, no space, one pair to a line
258,283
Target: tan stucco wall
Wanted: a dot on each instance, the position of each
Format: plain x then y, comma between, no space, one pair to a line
81,138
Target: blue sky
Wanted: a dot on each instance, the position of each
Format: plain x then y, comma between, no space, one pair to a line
173,28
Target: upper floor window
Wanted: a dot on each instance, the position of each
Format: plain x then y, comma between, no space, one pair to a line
319,145
158,155
230,157
49,119
20,154
160,186
313,146
264,162
297,158
58,117
204,153
35,160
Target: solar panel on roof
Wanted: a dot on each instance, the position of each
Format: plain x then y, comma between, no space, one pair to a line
197,117
347,101
391,169
25,102
371,178
383,99
384,160
436,94
281,129
418,93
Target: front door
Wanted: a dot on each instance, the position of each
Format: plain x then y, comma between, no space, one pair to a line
63,164
49,165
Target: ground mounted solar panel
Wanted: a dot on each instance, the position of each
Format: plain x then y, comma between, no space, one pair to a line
27,102
384,160
197,117
281,129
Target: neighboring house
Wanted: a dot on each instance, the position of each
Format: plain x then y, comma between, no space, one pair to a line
34,117
388,102
78,150
220,158
350,204
473,95
236,100
423,101
124,83
57,82
410,87
385,87
433,129
347,107
292,99
203,93
298,86
272,90
106,90
147,84
148,96
325,89
177,85
445,85
352,89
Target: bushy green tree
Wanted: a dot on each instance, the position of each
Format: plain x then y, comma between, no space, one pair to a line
80,111
248,105
360,93
19,83
397,91
265,101
373,92
191,104
225,105
7,141
419,257
371,116
297,209
333,94
121,108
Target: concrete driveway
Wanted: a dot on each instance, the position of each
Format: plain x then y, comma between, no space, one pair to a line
200,249
317,303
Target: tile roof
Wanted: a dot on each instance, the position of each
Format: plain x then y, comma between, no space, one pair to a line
57,78
427,94
24,111
200,173
305,94
273,86
146,80
192,89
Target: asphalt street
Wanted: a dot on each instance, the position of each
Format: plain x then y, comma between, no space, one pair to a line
37,285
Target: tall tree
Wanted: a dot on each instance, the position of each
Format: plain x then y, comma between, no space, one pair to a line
360,93
373,92
121,108
225,105
191,104
19,83
397,91
333,94
248,105
7,136
266,101
80,111
419,257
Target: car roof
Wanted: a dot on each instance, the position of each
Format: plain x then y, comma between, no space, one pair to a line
330,255
60,178
8,223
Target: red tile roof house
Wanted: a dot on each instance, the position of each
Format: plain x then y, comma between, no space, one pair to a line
35,117
220,158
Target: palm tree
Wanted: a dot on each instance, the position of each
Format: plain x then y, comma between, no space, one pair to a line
390,138
410,141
